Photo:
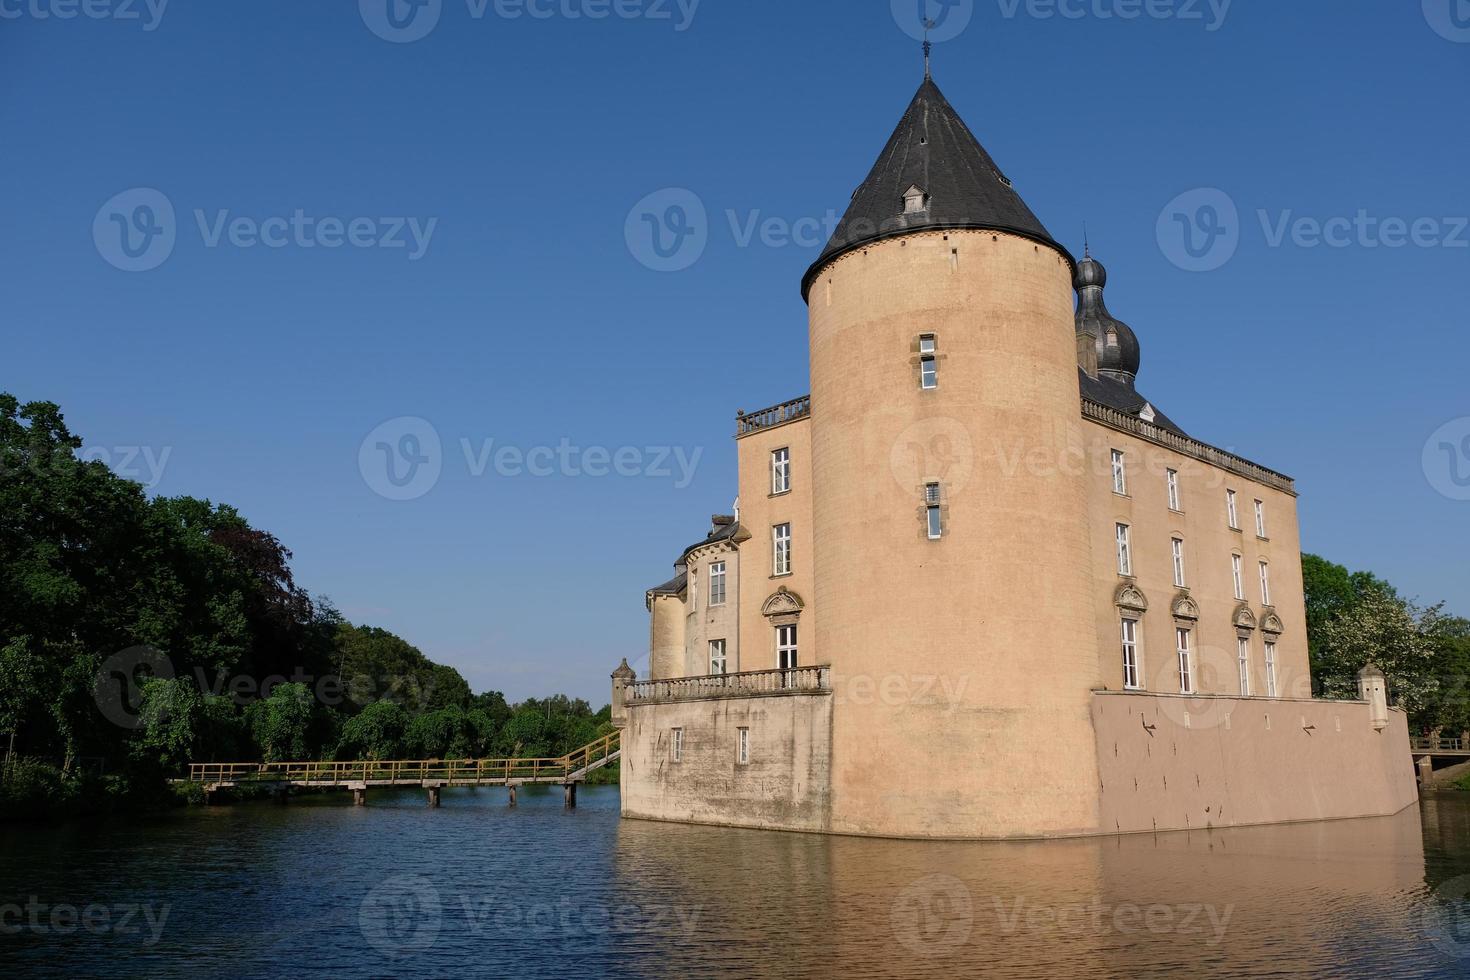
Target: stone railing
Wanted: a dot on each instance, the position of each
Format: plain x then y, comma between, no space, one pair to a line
761,683
769,418
1203,452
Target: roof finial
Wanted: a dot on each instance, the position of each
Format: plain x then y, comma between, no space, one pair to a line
929,25
1086,247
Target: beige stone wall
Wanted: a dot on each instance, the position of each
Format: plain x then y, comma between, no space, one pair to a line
1175,763
785,786
999,613
705,621
760,511
666,647
1209,541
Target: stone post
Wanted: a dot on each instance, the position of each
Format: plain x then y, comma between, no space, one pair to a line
571,796
621,679
359,795
1373,688
433,795
512,787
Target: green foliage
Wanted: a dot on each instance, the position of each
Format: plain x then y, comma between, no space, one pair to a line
92,566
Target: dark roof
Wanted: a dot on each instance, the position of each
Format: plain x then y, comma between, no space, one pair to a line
934,150
1124,398
1118,352
719,532
673,586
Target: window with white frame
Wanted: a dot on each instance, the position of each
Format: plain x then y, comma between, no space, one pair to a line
742,750
1173,483
678,744
1270,669
1125,551
1243,661
928,361
780,471
1237,570
1176,545
1232,511
693,589
1186,671
1132,671
717,662
1265,583
1120,472
717,583
1260,518
781,549
935,514
786,653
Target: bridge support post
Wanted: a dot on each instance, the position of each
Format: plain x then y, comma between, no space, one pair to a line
433,796
1424,768
283,795
359,796
570,796
512,787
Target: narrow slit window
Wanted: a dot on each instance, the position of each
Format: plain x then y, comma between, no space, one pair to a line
928,361
1231,510
1243,659
1260,518
1236,571
1132,675
1125,551
935,514
781,548
678,744
1270,670
780,471
1265,584
742,752
1177,546
1174,490
1120,472
1186,671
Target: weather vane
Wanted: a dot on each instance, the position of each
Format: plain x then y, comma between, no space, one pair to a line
929,25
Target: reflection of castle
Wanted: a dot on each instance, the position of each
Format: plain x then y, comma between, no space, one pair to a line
978,585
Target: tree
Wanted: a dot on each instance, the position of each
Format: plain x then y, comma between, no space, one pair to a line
1385,630
280,722
376,733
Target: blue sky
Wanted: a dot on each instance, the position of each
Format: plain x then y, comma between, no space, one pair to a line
525,309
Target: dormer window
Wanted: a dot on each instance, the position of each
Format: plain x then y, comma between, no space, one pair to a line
1147,413
915,200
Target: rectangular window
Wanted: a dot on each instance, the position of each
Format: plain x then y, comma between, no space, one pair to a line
936,517
1265,584
693,589
1186,674
1260,518
786,656
781,545
1120,472
1177,545
1174,490
1243,658
742,752
678,744
780,471
1125,551
1270,670
1231,511
1238,573
717,583
928,344
1132,676
717,662
928,373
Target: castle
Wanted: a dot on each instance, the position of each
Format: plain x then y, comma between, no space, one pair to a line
977,584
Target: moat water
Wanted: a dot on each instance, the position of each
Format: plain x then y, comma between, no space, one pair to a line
320,888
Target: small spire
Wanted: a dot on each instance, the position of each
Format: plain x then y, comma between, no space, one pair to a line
1086,246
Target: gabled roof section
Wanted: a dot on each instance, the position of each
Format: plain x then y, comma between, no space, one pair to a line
932,149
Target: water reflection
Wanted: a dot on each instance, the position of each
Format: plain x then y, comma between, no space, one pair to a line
321,888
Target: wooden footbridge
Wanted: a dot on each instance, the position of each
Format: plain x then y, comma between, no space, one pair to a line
432,775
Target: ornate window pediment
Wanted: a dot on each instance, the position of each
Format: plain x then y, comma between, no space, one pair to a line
1244,618
1184,607
1129,596
783,602
1273,625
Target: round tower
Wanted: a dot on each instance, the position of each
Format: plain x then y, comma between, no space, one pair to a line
953,591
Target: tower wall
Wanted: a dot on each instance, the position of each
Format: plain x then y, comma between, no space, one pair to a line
962,668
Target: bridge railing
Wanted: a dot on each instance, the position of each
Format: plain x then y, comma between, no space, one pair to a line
1439,745
408,771
795,680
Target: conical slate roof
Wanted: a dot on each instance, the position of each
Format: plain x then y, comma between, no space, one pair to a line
933,151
